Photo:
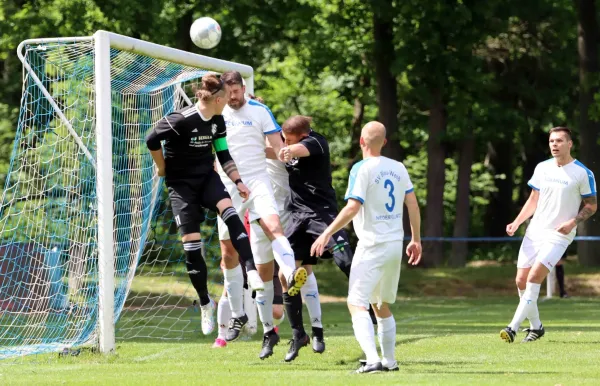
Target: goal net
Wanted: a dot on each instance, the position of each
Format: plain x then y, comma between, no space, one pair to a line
86,232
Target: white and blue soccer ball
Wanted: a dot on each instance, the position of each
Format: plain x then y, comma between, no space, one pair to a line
205,33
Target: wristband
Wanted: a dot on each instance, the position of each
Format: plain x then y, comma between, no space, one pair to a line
239,180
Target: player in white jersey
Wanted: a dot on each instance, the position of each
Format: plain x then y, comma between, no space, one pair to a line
377,188
248,124
559,186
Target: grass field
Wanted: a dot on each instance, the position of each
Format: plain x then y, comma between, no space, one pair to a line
441,340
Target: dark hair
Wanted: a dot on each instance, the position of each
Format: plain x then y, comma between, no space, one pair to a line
211,85
562,129
232,78
298,124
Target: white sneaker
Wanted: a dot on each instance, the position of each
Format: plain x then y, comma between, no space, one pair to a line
254,281
208,317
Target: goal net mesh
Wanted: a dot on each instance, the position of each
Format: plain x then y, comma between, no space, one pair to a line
48,212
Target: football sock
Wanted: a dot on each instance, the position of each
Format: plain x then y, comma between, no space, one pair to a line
239,237
284,256
365,335
293,308
527,308
264,302
223,316
310,295
196,268
386,332
234,284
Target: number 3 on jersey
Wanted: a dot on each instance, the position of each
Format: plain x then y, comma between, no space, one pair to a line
390,206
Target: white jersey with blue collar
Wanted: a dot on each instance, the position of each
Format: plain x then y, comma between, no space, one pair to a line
561,191
380,184
246,131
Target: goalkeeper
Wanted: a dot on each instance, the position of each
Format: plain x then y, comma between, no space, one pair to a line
187,165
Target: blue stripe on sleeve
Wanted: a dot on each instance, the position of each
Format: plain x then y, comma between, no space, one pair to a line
353,174
533,187
252,102
409,190
590,179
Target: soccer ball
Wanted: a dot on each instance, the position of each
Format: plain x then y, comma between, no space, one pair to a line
205,33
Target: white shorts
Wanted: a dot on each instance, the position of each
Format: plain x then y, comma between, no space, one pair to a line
260,243
261,201
546,252
375,273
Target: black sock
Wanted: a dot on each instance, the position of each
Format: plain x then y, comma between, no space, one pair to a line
196,267
293,308
372,315
560,277
239,238
318,332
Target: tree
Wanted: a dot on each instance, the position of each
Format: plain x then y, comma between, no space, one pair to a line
589,125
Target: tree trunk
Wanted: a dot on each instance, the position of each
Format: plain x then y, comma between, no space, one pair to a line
460,249
436,179
183,31
589,69
500,210
387,95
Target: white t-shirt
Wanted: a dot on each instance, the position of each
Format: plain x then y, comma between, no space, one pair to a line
380,184
246,130
561,190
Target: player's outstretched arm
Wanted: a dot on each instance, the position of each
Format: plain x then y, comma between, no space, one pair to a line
527,211
413,249
294,151
343,218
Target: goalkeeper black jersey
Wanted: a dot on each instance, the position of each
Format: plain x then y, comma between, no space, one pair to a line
187,140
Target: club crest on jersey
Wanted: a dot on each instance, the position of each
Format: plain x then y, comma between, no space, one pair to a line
214,128
292,162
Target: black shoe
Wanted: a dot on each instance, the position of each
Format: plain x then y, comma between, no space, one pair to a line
270,340
374,368
235,327
296,281
295,346
533,334
318,344
395,367
508,335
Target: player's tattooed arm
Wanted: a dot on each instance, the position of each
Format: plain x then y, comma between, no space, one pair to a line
590,205
230,168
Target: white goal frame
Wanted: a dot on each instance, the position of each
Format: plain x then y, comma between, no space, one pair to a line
103,42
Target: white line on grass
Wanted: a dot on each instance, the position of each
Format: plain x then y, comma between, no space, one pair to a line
156,355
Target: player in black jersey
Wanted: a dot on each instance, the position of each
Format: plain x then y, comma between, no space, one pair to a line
187,165
313,207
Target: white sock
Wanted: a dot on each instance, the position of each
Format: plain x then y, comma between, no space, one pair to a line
521,292
234,284
264,302
284,255
386,332
310,295
365,335
250,310
527,306
223,316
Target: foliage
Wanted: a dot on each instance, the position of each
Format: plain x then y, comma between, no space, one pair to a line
507,71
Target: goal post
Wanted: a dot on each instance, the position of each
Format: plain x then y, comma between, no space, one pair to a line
81,194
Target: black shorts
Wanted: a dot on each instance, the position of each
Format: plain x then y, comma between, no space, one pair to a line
191,196
304,228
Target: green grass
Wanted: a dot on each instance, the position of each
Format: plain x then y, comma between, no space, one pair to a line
440,341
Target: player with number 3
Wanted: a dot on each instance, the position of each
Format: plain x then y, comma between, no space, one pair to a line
377,188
